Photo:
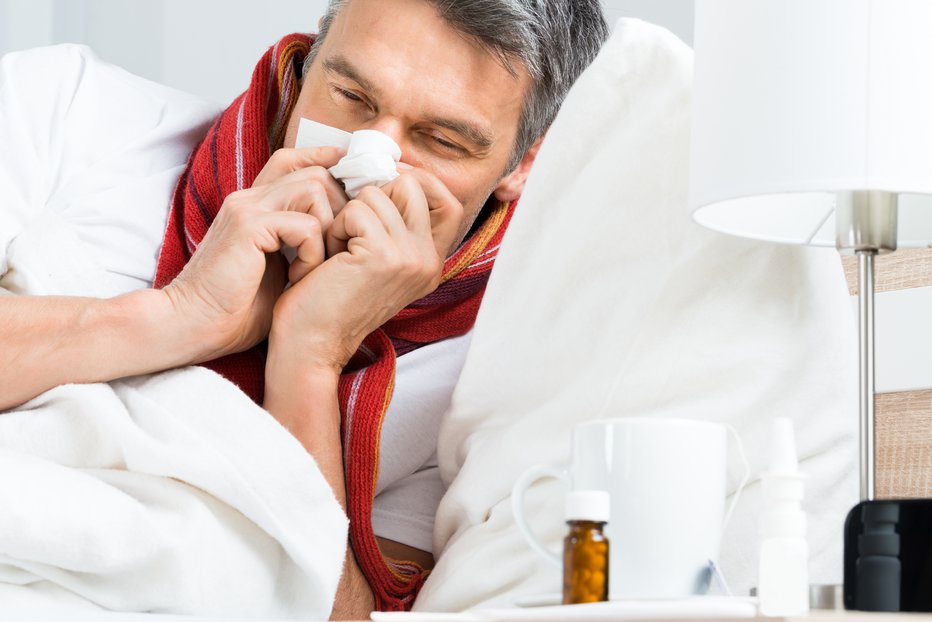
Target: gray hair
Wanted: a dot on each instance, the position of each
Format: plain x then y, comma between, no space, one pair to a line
554,40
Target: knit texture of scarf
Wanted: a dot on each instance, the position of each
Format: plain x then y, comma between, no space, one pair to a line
229,158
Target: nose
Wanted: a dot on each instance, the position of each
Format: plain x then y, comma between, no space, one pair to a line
394,129
388,126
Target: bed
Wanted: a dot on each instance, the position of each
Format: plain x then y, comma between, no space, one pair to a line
606,301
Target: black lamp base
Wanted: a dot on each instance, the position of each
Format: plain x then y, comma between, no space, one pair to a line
888,556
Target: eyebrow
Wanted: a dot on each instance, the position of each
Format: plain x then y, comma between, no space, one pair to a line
480,137
339,64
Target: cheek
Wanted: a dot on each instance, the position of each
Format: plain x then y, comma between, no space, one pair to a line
473,190
455,179
463,182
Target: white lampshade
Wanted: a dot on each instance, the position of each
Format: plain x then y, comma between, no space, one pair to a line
795,100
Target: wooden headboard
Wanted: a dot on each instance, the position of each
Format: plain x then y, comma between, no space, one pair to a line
904,420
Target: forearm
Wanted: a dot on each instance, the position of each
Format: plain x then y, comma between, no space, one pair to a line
52,340
304,399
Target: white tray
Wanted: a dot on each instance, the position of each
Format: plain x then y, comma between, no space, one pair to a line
623,609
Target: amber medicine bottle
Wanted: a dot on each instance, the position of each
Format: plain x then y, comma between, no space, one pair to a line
585,548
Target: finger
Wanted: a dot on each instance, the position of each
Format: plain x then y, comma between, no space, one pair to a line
300,231
305,196
445,210
317,202
406,193
356,221
336,195
310,254
387,210
285,161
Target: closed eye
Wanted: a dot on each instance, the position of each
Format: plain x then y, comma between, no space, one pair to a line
445,145
347,94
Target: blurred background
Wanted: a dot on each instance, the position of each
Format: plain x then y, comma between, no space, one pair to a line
209,47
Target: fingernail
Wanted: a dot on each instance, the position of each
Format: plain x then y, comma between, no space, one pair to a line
405,166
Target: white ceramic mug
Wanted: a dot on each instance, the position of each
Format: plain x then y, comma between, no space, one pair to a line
667,482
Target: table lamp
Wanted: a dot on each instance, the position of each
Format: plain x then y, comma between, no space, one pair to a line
812,124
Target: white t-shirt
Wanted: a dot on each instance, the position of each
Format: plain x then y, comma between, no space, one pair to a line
93,153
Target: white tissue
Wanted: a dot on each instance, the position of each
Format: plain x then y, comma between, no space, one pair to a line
371,156
313,134
371,159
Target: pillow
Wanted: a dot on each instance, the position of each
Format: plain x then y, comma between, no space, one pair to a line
91,155
607,300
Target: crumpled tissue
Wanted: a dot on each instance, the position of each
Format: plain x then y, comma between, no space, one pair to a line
371,157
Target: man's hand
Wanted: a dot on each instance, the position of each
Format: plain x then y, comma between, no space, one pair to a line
386,249
226,293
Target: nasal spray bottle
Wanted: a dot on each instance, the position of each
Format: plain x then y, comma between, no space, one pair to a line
783,584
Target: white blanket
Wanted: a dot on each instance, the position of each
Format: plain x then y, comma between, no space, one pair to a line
170,493
606,300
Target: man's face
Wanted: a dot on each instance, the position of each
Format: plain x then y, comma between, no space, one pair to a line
398,67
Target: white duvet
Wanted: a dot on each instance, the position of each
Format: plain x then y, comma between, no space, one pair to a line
170,493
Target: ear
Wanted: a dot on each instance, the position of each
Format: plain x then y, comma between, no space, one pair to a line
512,185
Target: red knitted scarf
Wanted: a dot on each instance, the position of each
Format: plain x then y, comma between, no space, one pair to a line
229,158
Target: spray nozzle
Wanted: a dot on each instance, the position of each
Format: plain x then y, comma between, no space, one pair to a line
783,448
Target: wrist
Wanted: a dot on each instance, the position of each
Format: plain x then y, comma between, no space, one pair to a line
145,327
194,332
184,344
296,384
319,347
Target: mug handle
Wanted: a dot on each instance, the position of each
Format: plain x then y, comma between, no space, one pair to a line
524,481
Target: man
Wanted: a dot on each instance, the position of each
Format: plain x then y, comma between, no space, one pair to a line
467,90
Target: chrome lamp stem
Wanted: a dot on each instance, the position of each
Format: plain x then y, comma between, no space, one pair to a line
866,354
866,226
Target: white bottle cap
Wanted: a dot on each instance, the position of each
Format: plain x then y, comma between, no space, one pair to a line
590,505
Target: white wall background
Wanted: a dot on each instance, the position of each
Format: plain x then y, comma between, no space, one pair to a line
677,15
209,47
